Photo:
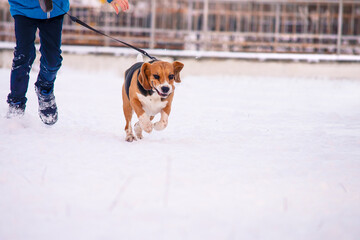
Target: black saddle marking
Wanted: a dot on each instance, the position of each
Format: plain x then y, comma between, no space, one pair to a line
129,74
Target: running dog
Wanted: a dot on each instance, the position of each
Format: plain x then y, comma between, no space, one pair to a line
148,89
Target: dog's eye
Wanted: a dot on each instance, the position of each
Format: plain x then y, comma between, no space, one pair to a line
157,77
171,76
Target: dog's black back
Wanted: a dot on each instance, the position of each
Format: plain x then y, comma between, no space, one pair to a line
129,74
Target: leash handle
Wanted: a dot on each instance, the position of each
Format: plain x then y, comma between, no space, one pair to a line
75,19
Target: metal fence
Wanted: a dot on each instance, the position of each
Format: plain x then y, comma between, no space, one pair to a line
292,26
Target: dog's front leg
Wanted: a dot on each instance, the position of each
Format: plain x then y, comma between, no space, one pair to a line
163,122
145,123
138,130
165,112
144,119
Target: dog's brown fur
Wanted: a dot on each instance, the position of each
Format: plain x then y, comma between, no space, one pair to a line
153,77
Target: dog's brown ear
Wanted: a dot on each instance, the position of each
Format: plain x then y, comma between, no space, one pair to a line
177,68
144,76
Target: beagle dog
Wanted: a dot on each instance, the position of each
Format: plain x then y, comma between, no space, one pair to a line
148,89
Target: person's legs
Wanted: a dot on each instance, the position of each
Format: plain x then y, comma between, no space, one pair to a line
24,55
50,62
50,48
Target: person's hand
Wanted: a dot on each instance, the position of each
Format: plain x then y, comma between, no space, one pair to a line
124,5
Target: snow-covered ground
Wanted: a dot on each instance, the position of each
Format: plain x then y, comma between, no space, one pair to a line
242,158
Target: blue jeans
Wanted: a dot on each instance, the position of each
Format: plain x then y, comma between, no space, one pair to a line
25,53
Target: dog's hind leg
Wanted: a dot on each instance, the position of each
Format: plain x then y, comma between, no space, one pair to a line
128,112
128,130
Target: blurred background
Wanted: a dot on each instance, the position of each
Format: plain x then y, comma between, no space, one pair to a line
262,142
266,26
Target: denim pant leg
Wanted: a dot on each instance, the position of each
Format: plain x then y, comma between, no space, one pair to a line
24,56
50,48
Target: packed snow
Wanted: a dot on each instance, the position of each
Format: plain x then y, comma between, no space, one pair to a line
242,158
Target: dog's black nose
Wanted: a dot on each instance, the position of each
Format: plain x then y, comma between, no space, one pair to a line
165,89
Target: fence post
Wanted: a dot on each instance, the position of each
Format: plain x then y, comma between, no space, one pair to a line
205,23
153,23
106,28
189,16
339,35
277,26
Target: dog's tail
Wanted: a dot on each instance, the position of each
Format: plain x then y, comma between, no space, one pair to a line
139,58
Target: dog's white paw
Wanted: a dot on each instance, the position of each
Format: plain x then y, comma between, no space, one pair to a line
130,138
147,126
160,125
145,123
138,130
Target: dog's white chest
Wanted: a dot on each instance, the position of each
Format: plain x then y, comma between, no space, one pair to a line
152,105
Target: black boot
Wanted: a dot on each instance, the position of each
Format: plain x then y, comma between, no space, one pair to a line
47,106
16,110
